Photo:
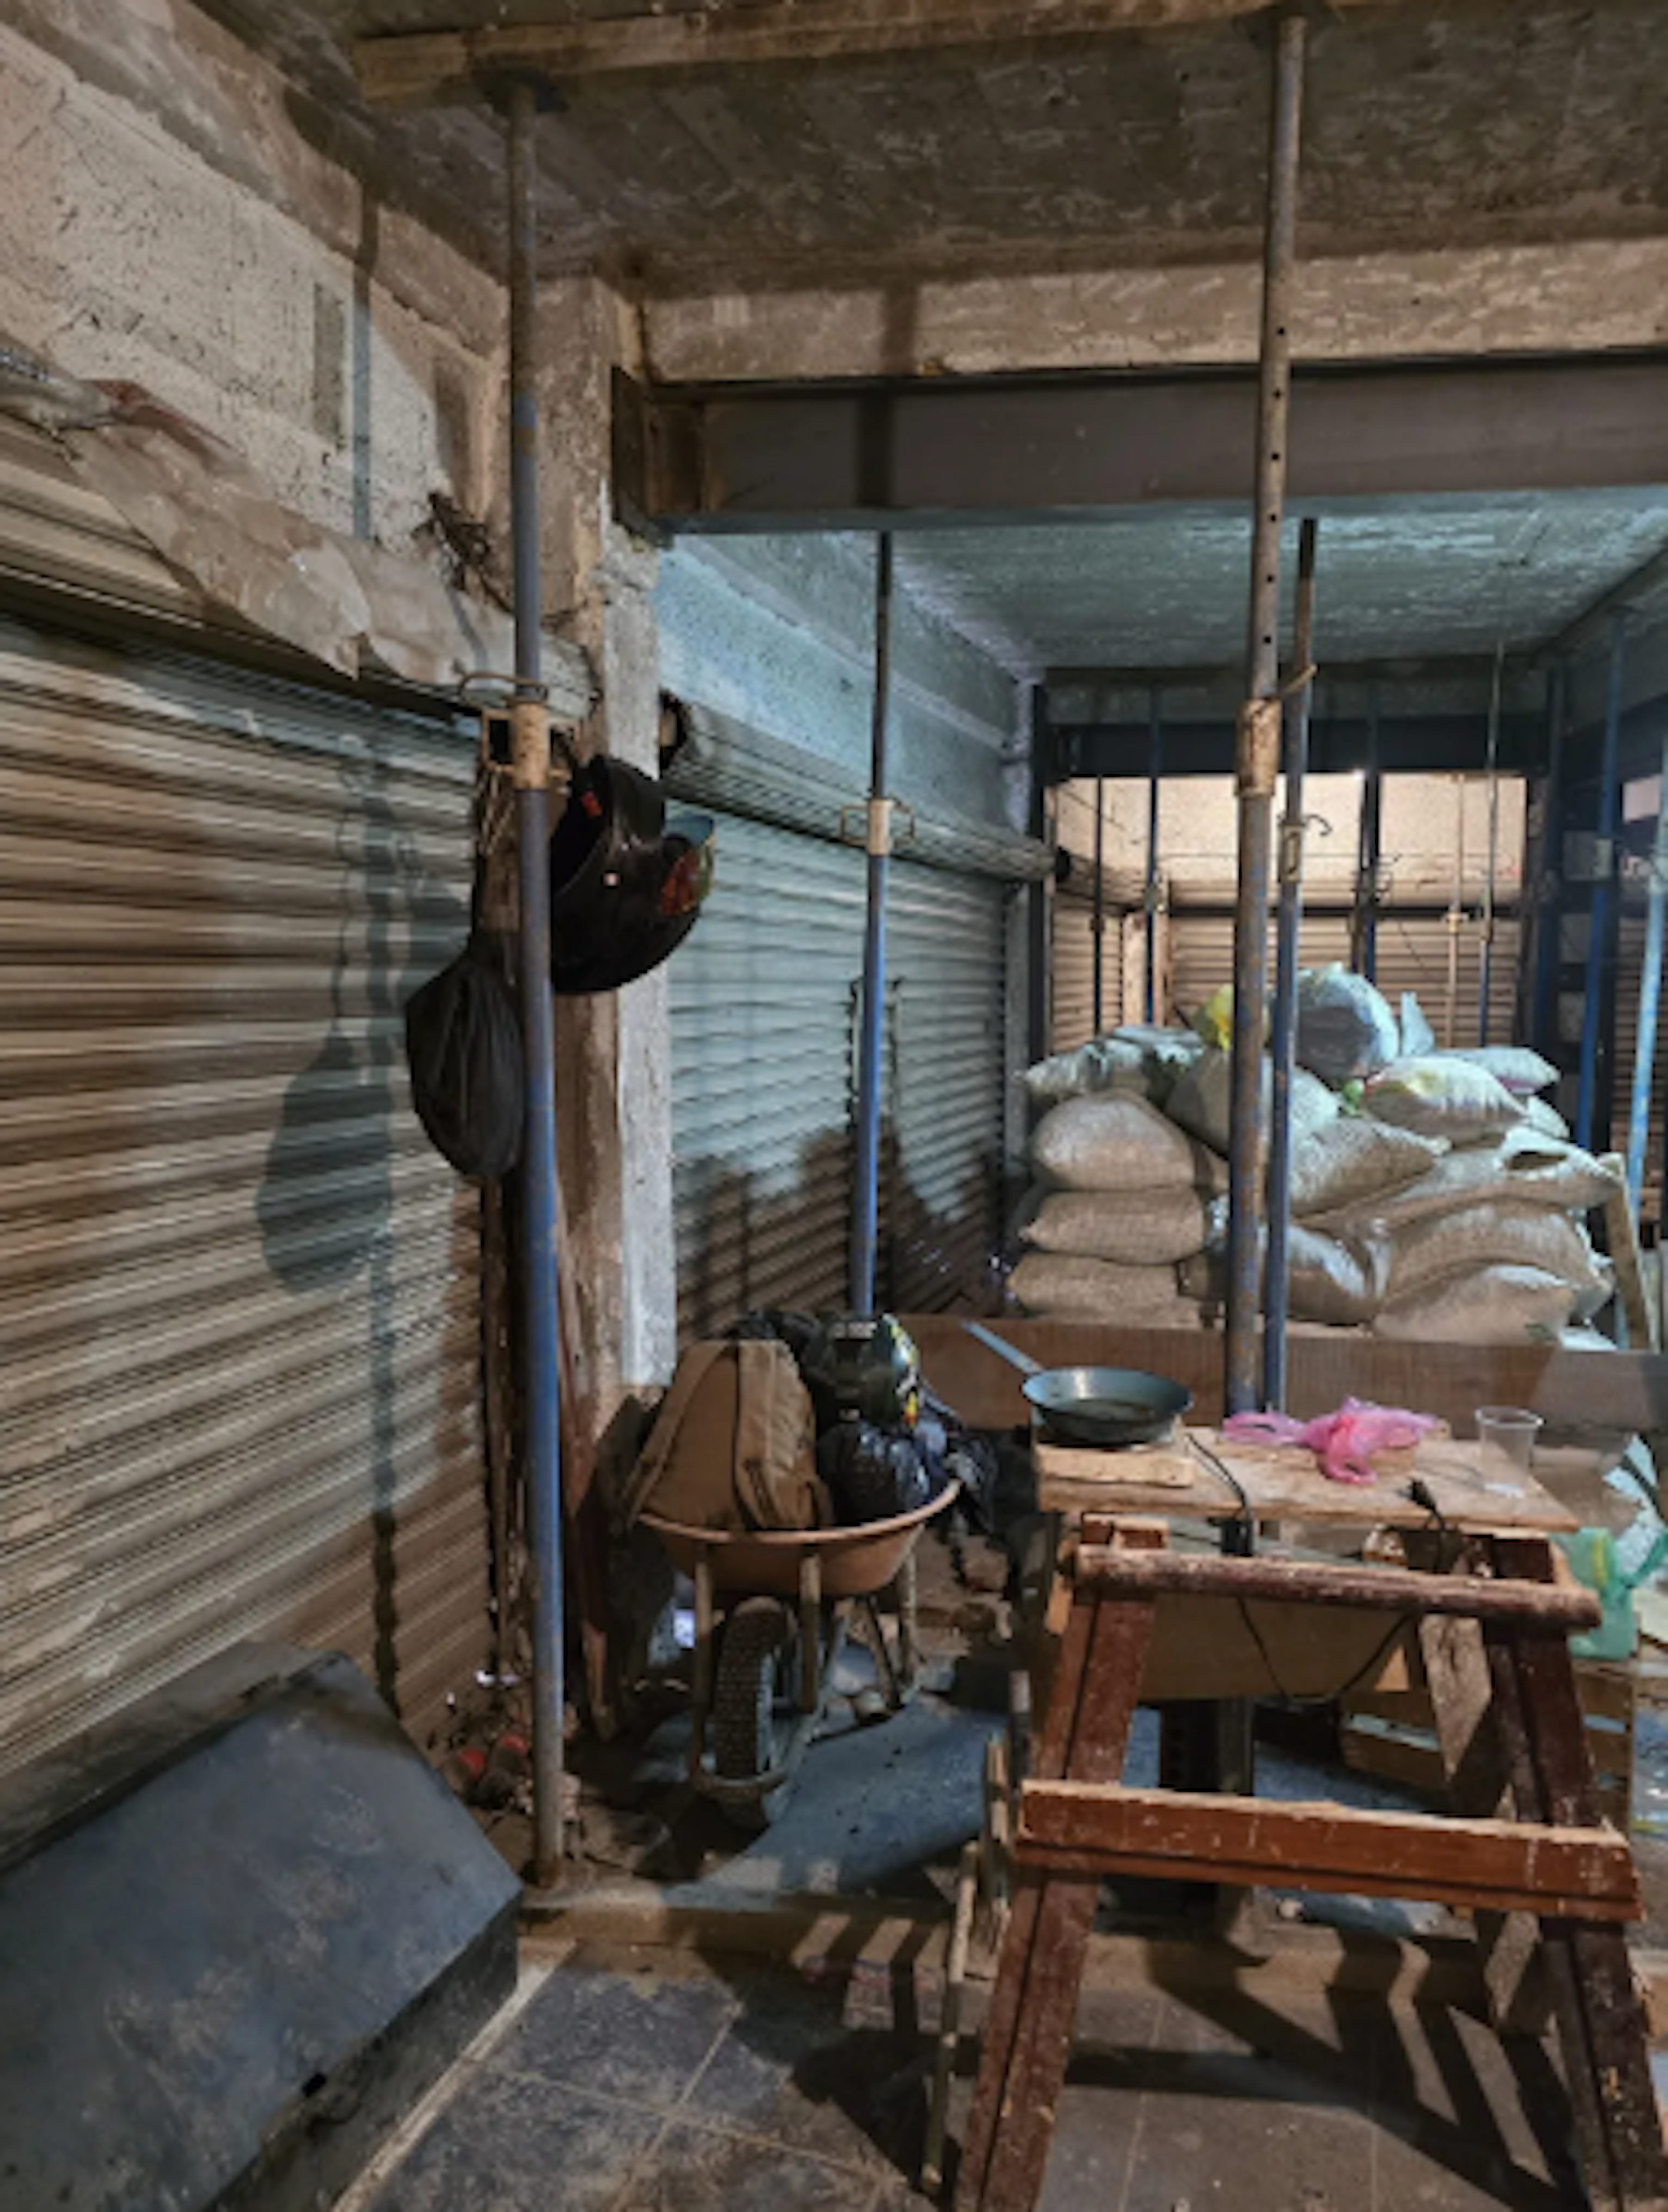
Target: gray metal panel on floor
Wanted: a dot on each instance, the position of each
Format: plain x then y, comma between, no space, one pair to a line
256,1926
237,1288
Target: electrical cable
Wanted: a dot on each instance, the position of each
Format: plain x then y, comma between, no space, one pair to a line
1419,1493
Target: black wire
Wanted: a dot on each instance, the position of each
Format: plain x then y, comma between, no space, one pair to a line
1418,1492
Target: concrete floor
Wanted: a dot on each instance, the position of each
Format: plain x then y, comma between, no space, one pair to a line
685,2086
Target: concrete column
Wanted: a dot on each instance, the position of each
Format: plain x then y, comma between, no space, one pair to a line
613,1052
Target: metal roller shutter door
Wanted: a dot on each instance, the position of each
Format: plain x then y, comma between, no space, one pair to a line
942,1182
1071,978
764,1013
761,1008
1630,965
1413,955
238,1292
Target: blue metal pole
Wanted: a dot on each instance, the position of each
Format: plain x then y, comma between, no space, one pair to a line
1604,890
1276,1281
1154,775
1486,958
1650,1000
1098,914
531,764
1257,750
1549,889
1365,933
866,1207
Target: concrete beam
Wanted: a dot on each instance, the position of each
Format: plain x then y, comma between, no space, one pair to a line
417,69
856,456
1429,744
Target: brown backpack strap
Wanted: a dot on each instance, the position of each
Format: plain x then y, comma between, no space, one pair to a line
693,1369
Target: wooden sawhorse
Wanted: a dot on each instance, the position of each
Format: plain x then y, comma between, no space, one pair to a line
1553,1857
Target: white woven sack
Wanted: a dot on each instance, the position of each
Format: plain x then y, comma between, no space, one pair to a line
1494,1305
1440,1097
1113,1142
1329,1279
1471,1236
1138,1297
1355,1158
1201,1102
1541,1116
1103,1064
1345,1029
1144,1228
1524,1169
1522,1072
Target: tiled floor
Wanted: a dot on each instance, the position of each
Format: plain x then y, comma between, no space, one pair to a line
746,2090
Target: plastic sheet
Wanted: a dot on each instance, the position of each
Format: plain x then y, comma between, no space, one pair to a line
1343,1442
216,520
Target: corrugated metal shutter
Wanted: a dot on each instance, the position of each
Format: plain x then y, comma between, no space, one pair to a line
1631,964
1412,956
764,1013
946,938
237,1291
762,1007
1071,978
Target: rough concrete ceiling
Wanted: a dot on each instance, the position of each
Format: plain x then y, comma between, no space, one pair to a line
1427,579
1430,123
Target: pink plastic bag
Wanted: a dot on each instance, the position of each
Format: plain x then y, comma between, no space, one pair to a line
1343,1442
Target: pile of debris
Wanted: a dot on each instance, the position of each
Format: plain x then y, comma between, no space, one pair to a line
1435,1194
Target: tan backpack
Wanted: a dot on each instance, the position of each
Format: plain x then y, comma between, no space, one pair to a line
733,1445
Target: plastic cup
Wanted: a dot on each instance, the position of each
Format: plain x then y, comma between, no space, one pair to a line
1506,1434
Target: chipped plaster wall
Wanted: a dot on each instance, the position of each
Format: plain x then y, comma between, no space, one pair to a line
165,220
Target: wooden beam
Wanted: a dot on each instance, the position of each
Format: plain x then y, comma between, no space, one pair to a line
1110,1572
1073,1827
417,69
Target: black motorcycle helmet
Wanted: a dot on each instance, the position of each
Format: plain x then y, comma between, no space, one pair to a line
626,885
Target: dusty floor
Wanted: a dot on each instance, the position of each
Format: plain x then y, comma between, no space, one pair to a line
742,2088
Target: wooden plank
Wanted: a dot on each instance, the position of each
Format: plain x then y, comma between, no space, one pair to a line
1185,1835
1572,1390
1601,2014
1027,2038
1641,1311
415,69
1286,1485
1114,1572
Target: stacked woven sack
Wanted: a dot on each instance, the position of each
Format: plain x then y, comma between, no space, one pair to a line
1434,1195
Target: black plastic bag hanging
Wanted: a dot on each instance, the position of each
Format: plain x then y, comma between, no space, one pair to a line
463,1046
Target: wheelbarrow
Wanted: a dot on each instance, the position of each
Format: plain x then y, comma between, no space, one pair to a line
772,1610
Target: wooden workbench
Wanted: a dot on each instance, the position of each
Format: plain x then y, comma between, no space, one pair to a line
1284,1484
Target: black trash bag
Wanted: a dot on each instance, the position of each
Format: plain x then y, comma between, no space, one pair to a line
463,1046
873,1475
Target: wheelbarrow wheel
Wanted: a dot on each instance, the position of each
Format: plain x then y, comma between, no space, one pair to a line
755,1707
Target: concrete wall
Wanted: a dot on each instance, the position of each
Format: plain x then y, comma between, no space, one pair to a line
779,633
165,220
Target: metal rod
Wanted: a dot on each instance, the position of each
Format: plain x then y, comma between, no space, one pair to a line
1283,1042
1154,777
1456,918
1364,922
1485,976
1548,887
1098,919
1650,1000
865,1208
531,757
1258,747
1603,890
